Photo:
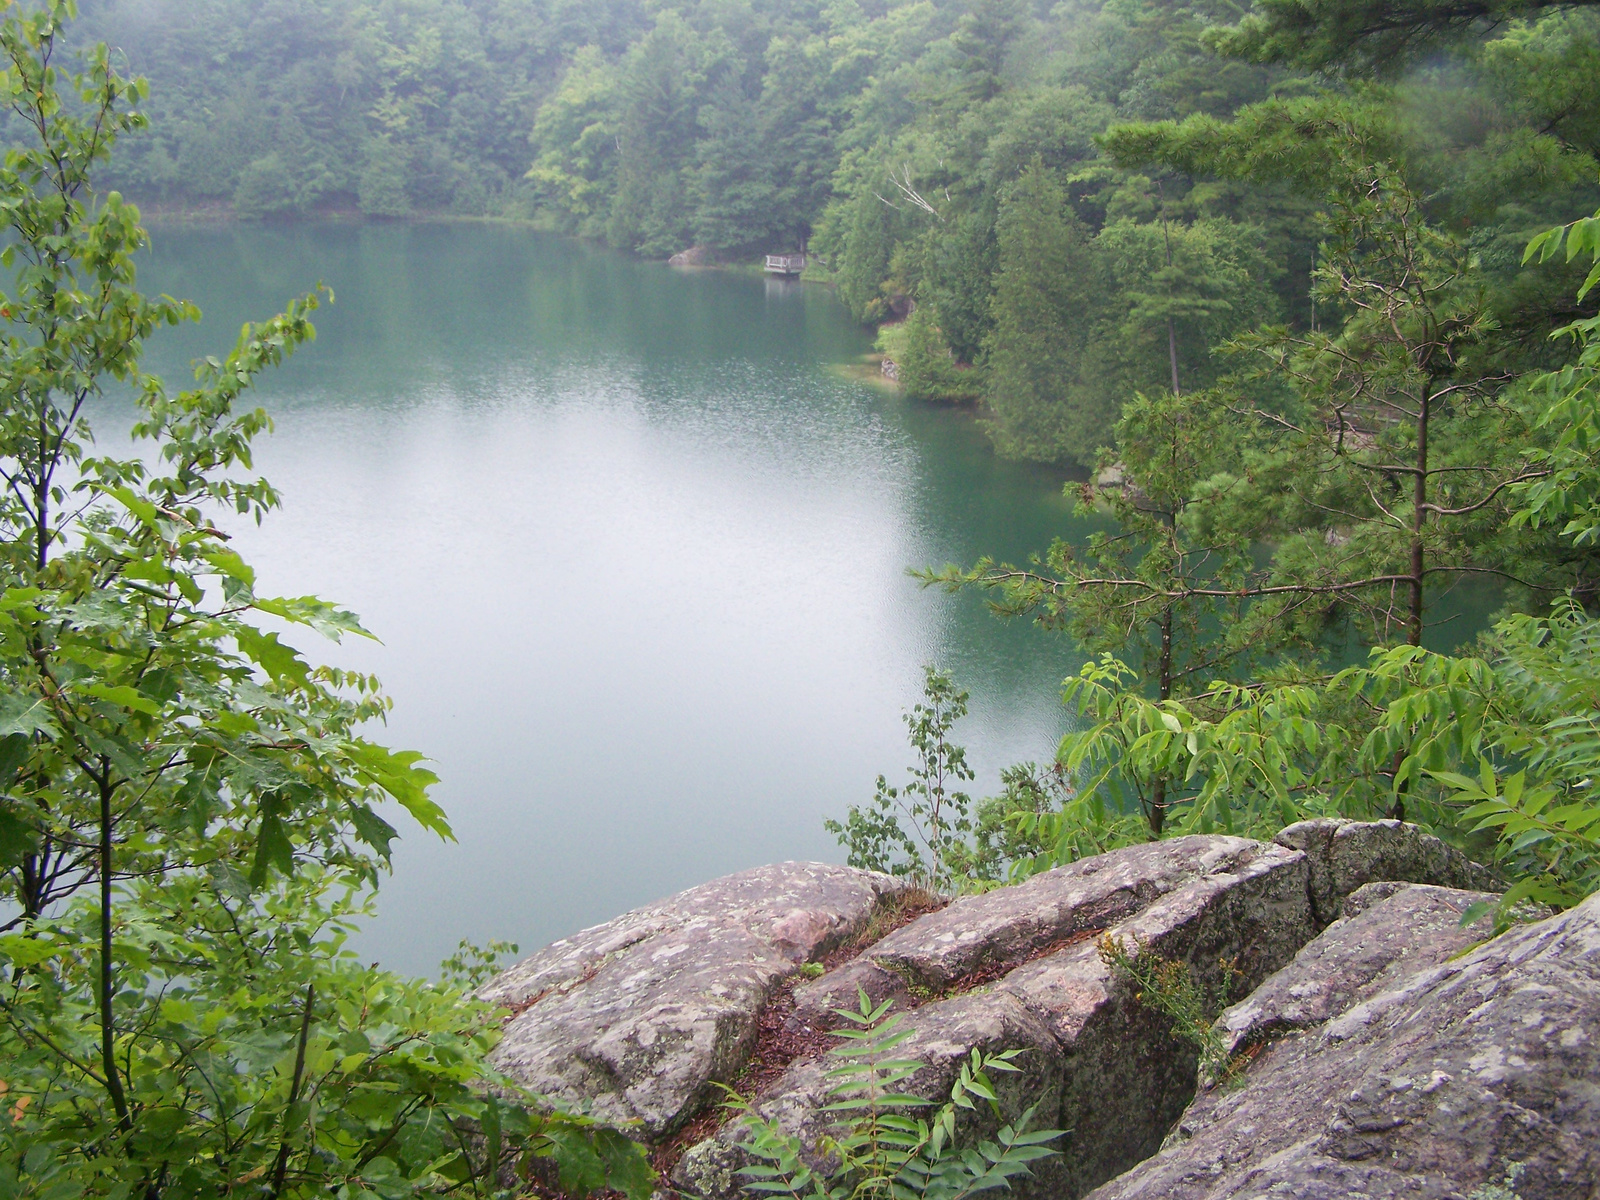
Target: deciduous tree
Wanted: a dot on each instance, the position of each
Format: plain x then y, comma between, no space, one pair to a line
193,816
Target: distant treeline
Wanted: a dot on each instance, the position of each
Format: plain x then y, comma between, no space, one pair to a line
940,158
283,107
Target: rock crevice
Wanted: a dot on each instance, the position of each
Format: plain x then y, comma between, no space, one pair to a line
1411,1062
643,1016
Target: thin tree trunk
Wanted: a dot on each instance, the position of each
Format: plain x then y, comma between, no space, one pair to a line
1158,808
1158,795
1419,516
34,867
41,505
41,488
1166,654
280,1168
1172,345
108,1055
1313,289
1172,329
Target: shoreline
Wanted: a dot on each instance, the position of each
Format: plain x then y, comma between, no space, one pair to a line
866,370
156,213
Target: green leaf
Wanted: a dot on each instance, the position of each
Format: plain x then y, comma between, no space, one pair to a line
19,834
230,565
123,697
279,661
396,772
274,849
371,828
333,623
14,750
142,510
21,713
22,950
627,1169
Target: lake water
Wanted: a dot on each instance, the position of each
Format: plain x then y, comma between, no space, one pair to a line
635,548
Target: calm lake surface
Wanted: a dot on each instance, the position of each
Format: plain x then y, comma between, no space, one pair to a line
636,554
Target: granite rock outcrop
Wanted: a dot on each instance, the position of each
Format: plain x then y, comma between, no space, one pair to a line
642,1018
1442,1075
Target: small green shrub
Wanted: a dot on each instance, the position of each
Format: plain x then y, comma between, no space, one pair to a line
1168,986
891,340
886,1151
471,966
932,840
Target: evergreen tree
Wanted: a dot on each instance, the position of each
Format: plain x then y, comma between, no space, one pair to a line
662,84
928,370
799,133
1382,36
1180,289
1166,586
985,34
736,196
868,246
960,266
1042,315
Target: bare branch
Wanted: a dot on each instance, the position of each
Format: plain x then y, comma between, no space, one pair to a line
909,193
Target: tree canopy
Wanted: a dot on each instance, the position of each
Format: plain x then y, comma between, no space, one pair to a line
1382,37
1306,292
899,141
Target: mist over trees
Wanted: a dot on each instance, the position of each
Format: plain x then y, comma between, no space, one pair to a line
1312,287
947,157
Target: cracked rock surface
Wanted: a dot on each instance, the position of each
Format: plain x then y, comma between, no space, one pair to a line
1436,1078
1000,930
1095,1061
1390,932
1344,855
643,1015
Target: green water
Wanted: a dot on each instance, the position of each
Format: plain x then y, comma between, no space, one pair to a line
635,553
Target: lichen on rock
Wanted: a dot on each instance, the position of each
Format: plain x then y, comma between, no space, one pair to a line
1438,1077
642,1017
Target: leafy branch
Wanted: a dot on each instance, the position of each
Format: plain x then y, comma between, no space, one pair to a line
886,1151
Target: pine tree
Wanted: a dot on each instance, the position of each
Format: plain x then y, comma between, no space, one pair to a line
868,246
1041,318
959,279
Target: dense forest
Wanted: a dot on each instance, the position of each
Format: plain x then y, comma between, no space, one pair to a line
944,159
1311,286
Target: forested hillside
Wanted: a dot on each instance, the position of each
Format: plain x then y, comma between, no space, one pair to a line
1312,286
941,157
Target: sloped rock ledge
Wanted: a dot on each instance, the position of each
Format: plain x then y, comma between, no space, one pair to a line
1418,1070
642,1016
